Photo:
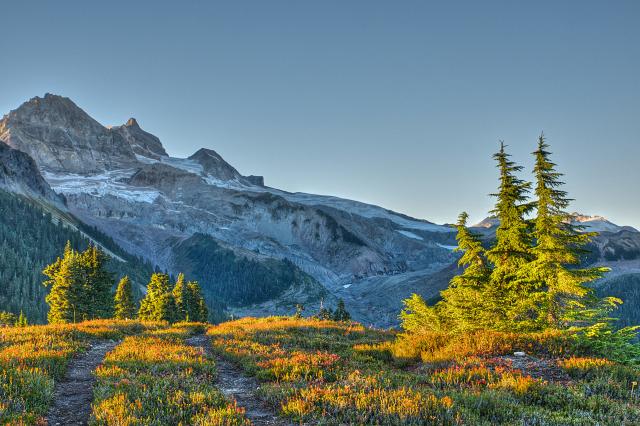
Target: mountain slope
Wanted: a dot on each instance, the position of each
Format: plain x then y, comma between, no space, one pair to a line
121,181
31,238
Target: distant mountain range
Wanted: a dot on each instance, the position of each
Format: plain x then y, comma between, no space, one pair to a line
255,249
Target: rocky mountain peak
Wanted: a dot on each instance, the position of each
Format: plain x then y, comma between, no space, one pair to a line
52,110
132,122
597,223
141,142
213,164
60,136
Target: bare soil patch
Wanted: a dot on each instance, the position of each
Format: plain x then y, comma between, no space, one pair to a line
73,395
233,383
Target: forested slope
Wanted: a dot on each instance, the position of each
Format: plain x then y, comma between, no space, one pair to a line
31,238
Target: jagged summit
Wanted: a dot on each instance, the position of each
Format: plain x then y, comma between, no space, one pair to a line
60,136
213,164
132,122
585,223
142,143
597,223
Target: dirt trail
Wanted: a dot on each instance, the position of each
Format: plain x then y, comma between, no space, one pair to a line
73,394
235,385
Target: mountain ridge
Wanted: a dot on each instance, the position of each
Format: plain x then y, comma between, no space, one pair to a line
149,202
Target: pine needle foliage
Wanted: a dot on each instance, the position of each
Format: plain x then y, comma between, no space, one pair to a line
558,245
464,300
158,304
80,286
530,279
511,295
125,307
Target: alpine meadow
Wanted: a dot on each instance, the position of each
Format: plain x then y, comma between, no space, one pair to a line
226,270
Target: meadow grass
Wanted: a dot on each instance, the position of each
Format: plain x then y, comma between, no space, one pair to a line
157,379
325,372
33,358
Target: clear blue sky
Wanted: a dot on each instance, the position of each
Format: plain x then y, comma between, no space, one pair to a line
400,104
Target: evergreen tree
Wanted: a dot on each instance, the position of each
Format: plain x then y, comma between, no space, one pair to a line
510,297
182,299
417,317
7,319
299,310
124,303
196,306
66,279
203,311
158,304
22,320
463,302
558,244
98,284
80,286
341,313
324,313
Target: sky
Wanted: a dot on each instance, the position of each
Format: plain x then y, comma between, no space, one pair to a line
399,104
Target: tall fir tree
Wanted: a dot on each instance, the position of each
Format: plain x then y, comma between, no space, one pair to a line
197,308
158,304
98,284
22,320
511,296
463,302
558,245
182,299
66,297
124,304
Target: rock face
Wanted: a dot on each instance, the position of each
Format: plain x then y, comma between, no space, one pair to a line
19,173
141,142
59,136
122,181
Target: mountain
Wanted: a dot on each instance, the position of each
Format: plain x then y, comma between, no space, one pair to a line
308,248
20,174
255,249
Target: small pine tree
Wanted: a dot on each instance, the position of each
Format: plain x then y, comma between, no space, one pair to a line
299,310
417,317
124,303
22,320
67,281
341,313
7,319
324,313
158,304
463,302
98,299
181,296
197,307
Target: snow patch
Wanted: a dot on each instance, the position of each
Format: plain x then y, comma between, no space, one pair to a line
409,234
100,185
447,247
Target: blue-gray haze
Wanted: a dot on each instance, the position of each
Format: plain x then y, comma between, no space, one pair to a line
397,103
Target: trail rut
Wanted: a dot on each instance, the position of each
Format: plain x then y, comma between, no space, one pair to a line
73,394
235,385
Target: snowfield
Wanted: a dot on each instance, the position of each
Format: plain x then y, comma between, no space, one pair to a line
100,185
